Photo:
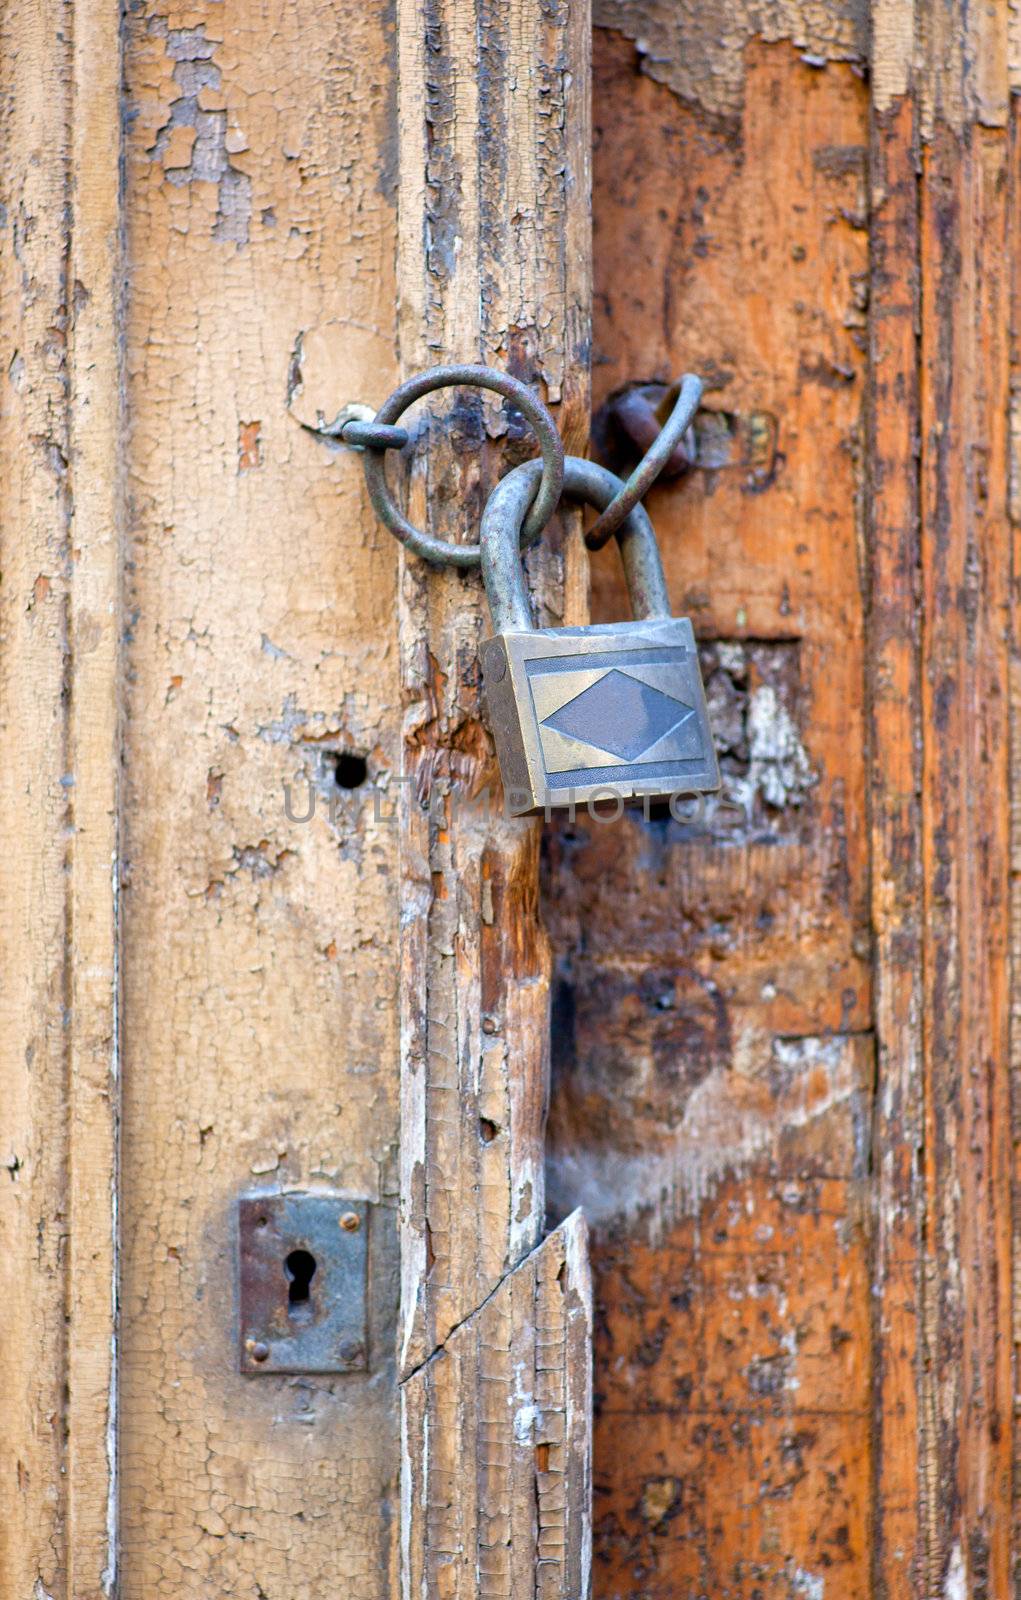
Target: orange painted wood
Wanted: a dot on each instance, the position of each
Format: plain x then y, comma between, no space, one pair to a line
895,712
781,1071
713,1054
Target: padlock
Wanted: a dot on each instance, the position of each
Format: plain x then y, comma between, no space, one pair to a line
615,711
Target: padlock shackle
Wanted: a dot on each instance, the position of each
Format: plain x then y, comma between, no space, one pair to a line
500,537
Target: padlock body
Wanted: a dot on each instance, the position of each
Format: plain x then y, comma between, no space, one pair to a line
583,714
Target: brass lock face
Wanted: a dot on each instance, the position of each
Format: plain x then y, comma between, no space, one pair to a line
614,711
580,714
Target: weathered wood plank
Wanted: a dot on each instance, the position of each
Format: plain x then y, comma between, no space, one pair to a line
713,1066
696,951
941,726
965,833
59,427
260,949
95,629
496,1429
254,183
940,699
1014,511
33,804
493,160
893,633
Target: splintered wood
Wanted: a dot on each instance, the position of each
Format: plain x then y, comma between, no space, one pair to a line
496,1432
493,202
474,982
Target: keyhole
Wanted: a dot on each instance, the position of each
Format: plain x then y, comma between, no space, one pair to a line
300,1267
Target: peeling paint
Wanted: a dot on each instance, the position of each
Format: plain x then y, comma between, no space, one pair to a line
698,50
318,353
525,1416
258,592
955,1584
753,693
779,767
194,144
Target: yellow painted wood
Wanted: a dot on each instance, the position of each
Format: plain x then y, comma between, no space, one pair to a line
59,685
202,949
260,950
493,265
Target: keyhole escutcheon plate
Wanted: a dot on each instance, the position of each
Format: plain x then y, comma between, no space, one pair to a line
302,1282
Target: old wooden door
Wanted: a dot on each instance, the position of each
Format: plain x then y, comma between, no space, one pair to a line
253,941
782,1053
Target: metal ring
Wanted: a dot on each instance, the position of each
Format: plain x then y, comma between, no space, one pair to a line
651,464
423,544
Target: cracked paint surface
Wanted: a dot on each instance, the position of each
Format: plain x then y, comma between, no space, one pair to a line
260,951
195,144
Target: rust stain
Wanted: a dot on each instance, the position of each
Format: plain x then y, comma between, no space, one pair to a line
249,445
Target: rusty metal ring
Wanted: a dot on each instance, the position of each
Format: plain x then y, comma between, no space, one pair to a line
550,445
651,464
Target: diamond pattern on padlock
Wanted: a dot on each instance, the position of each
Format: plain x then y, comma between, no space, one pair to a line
612,711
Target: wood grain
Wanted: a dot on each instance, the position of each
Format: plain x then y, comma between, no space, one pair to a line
1014,514
260,949
94,282
494,161
965,707
59,429
712,1062
496,1429
686,962
944,1494
895,742
33,930
493,158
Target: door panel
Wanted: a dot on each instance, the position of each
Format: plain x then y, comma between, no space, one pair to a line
713,1055
780,1053
260,949
253,940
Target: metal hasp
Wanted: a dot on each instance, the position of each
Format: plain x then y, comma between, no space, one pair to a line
660,456
302,1279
